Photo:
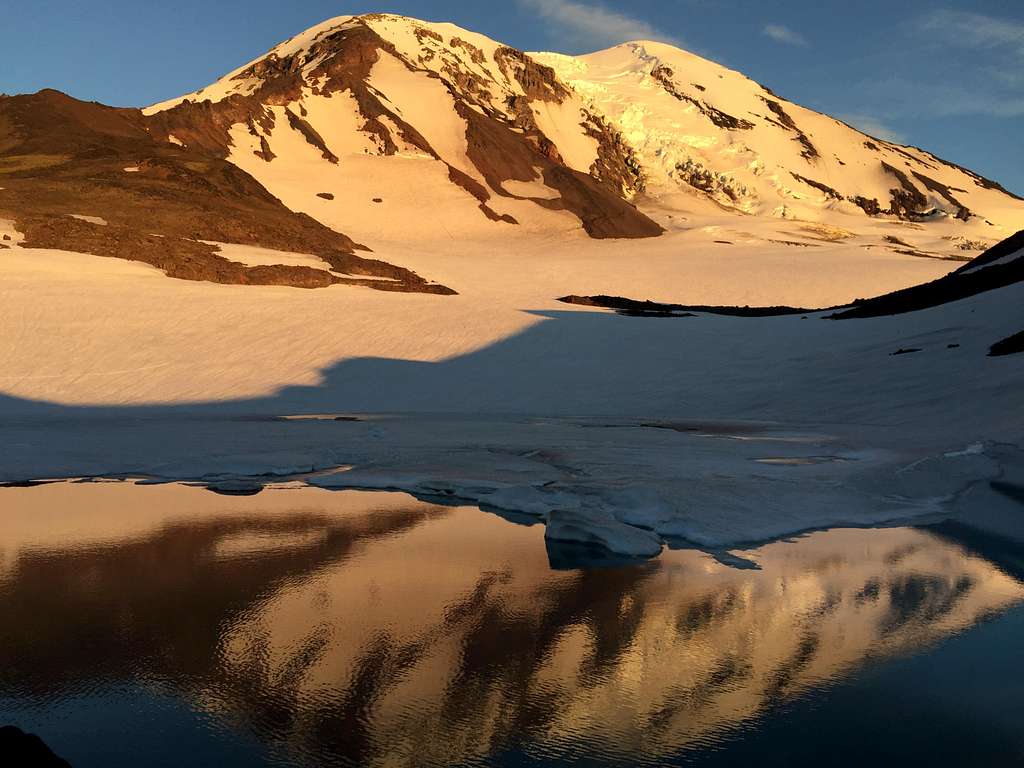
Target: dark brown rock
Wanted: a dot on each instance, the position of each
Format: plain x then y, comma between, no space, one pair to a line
664,75
907,201
475,54
538,81
809,151
870,206
617,165
962,212
310,134
963,283
1011,345
829,191
18,748
630,306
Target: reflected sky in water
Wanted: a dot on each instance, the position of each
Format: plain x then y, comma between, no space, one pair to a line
305,627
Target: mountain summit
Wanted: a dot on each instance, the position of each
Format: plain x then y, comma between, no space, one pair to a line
382,106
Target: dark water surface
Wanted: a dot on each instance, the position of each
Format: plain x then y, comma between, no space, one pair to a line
170,626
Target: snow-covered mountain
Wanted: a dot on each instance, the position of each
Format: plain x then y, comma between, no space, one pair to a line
695,125
424,142
379,117
364,121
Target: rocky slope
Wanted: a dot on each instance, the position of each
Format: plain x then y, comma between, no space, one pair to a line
82,177
437,108
998,267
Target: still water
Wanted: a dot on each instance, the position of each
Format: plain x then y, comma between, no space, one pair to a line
171,626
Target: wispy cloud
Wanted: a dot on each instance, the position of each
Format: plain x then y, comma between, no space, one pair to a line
976,69
873,127
594,26
914,99
966,29
783,34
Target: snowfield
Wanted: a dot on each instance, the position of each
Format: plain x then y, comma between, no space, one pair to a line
624,432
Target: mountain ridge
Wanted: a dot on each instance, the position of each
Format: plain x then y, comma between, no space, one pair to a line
742,148
379,128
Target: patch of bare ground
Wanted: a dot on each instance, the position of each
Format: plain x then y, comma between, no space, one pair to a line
896,245
795,243
634,307
967,244
825,232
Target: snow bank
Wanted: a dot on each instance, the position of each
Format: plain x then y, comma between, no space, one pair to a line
472,397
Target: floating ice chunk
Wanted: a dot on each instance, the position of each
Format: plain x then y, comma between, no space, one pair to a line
601,529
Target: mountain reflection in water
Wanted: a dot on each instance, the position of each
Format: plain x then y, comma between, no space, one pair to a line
371,629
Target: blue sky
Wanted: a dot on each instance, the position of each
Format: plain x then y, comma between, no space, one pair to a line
947,77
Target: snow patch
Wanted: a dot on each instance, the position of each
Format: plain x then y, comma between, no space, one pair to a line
89,219
9,236
535,189
252,256
561,123
601,530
